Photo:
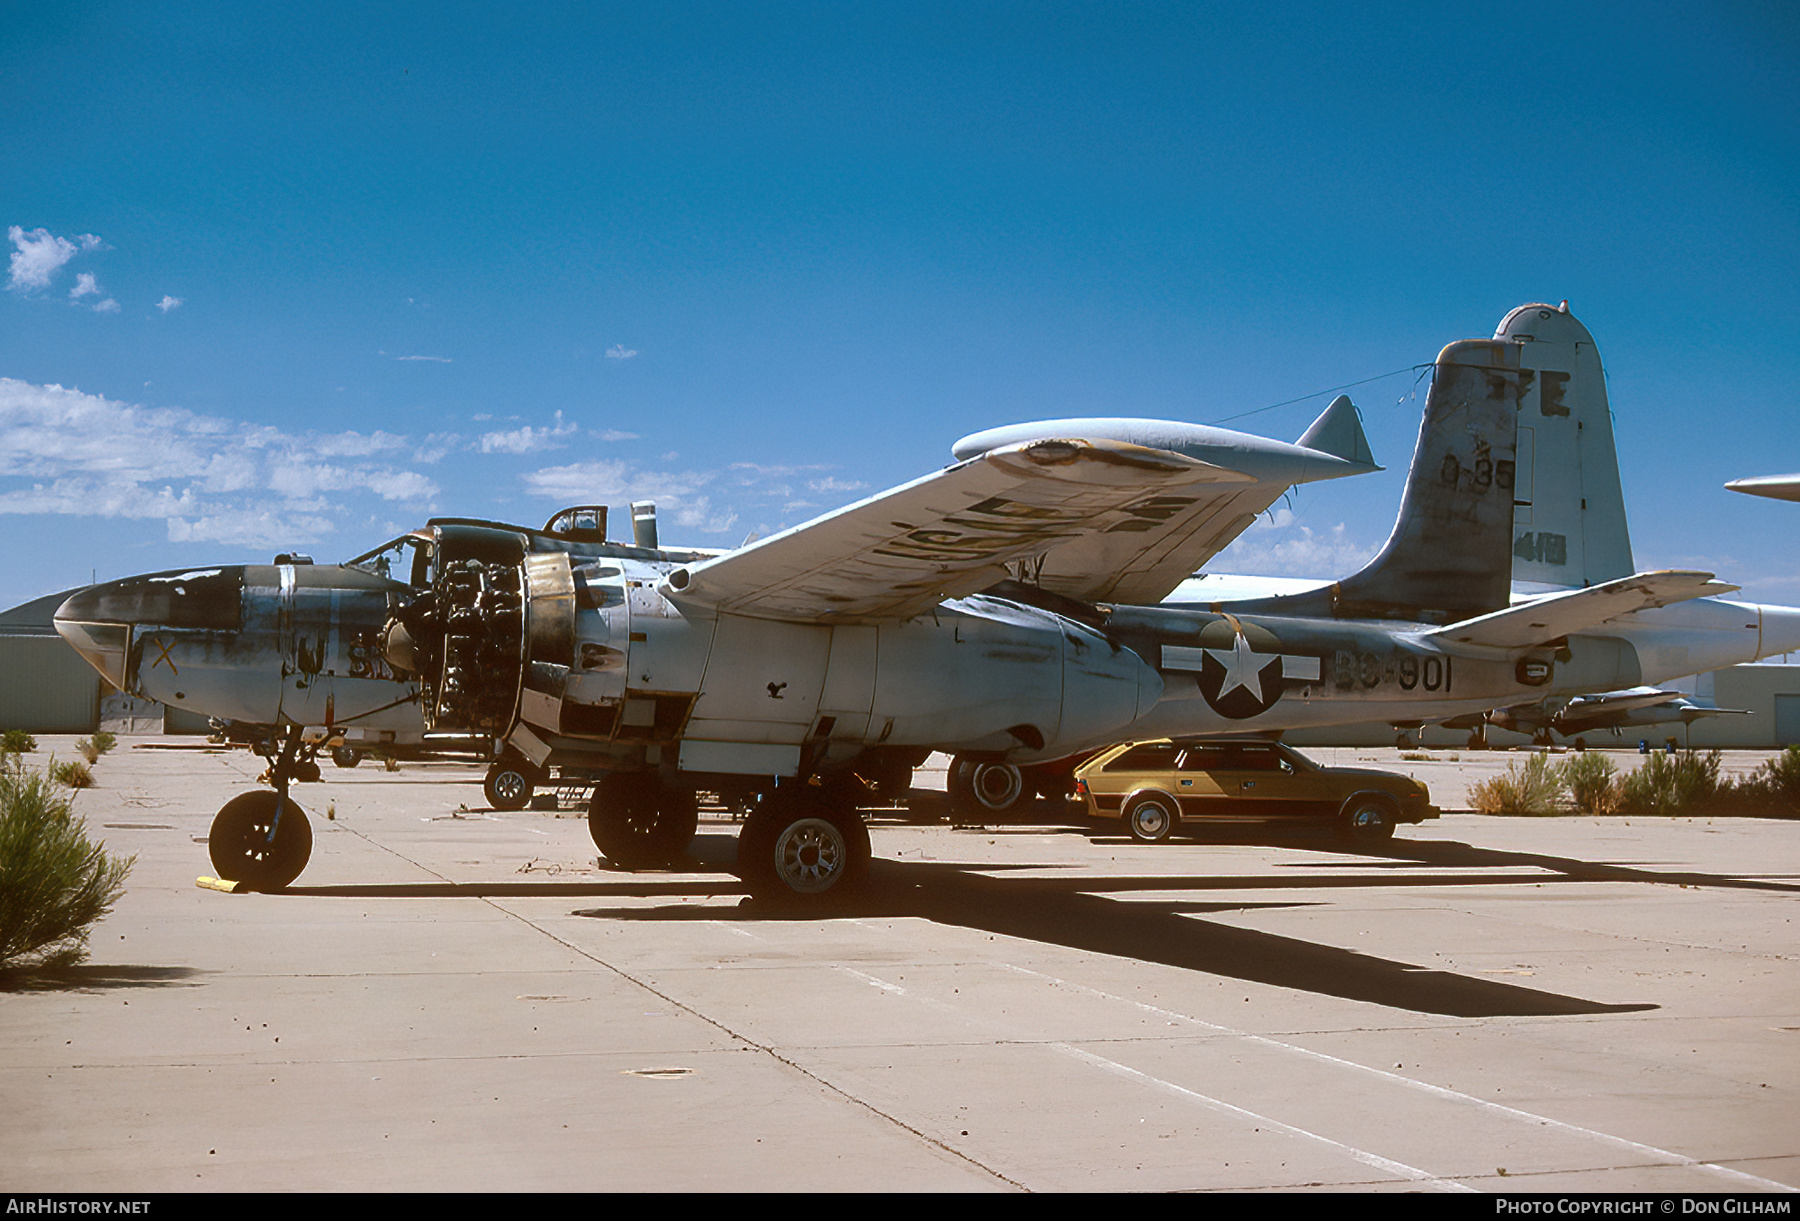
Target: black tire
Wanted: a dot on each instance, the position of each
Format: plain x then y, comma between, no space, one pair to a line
801,848
240,847
637,823
1369,820
508,785
988,790
346,756
1151,819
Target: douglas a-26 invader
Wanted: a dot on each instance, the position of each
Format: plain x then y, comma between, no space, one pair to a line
1002,609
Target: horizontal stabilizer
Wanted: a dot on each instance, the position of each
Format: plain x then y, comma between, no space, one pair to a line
1545,619
951,533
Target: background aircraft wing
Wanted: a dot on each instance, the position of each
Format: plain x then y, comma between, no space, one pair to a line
1545,619
954,532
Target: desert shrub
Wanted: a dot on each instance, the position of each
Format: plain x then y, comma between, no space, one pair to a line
104,742
1671,784
73,774
1534,789
1589,778
54,883
17,742
1772,791
87,750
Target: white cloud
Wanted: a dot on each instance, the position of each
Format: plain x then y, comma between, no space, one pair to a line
39,255
613,434
1277,545
108,306
85,284
442,360
620,352
64,452
527,439
168,303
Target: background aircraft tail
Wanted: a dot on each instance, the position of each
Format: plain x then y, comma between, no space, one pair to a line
1569,526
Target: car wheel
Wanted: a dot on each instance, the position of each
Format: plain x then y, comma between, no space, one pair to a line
1369,820
1151,819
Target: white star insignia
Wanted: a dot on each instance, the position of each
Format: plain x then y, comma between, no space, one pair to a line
1243,667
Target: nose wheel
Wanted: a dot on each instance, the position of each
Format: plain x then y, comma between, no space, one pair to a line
261,839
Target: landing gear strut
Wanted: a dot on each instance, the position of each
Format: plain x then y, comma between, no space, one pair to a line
262,839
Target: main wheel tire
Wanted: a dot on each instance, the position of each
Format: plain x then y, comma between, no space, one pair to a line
346,756
508,785
989,790
1151,819
802,848
1369,821
638,823
240,846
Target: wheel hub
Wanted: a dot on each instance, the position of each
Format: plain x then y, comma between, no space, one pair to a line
810,855
997,785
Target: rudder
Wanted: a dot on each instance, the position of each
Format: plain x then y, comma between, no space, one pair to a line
1569,527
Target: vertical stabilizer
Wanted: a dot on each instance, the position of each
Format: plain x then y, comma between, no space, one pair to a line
1569,517
1448,557
1339,432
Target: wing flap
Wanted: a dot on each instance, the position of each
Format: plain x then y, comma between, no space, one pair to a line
948,534
1545,619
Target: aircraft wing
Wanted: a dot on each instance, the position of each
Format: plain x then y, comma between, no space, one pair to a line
1141,562
1608,703
950,533
1545,619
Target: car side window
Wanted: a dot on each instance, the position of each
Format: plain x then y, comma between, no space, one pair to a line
1148,757
1204,759
1259,759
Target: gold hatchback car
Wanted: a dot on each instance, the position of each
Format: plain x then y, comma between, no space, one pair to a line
1157,786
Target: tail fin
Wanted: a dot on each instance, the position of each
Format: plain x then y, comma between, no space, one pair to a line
1339,432
1448,554
1569,525
1449,557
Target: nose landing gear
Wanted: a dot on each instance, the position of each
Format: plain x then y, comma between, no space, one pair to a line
262,839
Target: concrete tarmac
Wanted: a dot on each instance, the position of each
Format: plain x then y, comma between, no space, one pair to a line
456,1000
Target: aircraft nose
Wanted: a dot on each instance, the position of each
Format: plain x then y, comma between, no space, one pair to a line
98,621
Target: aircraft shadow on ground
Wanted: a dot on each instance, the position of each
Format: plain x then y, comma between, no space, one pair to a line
98,978
1084,912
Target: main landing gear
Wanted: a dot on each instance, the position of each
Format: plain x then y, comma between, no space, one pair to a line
638,822
262,839
803,843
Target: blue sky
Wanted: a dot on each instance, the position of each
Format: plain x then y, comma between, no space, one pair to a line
298,280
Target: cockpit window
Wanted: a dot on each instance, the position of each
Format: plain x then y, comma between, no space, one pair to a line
406,558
